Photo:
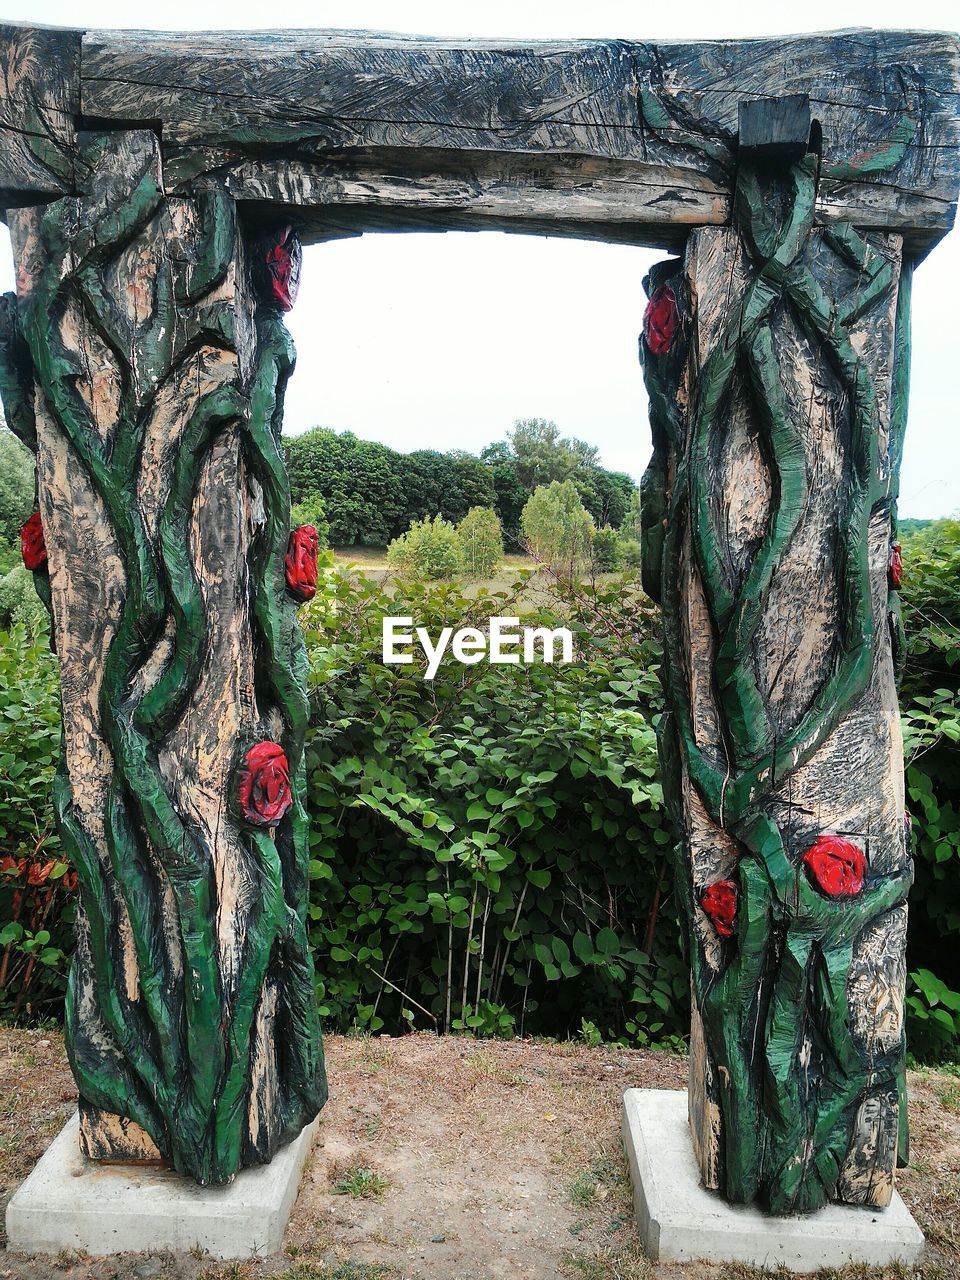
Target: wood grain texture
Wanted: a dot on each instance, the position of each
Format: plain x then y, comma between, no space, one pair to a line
361,130
886,103
778,414
39,105
158,371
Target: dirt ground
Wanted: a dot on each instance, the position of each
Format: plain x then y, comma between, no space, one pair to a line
457,1159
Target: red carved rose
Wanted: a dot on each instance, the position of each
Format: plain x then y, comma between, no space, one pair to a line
301,561
660,320
265,785
836,866
719,902
283,257
896,567
32,545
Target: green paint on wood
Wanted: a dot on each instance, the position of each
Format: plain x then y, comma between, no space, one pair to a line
176,1057
781,989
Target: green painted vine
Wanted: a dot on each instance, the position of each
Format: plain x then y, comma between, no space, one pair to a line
793,946
177,1058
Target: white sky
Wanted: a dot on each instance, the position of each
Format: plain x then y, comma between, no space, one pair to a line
441,340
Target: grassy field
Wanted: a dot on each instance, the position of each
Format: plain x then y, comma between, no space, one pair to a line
373,561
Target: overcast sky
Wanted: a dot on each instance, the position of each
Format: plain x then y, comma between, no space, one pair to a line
441,340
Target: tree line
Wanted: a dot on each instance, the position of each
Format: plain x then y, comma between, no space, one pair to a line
372,494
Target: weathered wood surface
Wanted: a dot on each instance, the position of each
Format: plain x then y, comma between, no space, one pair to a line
363,130
159,366
778,407
39,106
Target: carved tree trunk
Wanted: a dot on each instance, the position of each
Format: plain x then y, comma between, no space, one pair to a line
146,362
776,359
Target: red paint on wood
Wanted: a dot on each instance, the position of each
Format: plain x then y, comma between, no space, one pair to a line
896,567
283,258
32,545
265,785
660,320
719,903
301,561
836,866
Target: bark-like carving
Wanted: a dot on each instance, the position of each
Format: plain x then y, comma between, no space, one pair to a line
777,410
159,370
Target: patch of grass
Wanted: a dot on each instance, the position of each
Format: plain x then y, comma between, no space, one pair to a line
583,1191
949,1095
895,1271
361,1183
484,1065
595,1183
373,1126
481,1063
345,1270
608,1264
742,1271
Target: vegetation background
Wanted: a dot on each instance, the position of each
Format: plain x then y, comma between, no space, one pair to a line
489,850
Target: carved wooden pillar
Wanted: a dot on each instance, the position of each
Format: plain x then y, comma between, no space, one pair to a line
775,356
146,360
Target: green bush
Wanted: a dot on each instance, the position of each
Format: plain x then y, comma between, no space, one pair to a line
487,847
930,697
311,511
607,551
498,823
16,486
630,549
557,528
37,888
481,541
19,602
429,549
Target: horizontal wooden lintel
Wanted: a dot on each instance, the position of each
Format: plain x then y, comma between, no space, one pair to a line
626,140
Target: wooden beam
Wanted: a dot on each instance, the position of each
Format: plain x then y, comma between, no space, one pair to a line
617,139
666,115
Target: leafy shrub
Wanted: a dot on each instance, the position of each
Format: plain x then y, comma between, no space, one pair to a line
429,549
557,528
630,549
502,824
19,602
481,541
16,486
36,885
934,1013
10,557
487,848
311,511
607,551
930,697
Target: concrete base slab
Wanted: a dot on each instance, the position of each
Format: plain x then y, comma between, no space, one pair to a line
69,1202
680,1221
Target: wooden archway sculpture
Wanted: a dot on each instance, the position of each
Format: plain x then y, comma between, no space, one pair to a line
157,189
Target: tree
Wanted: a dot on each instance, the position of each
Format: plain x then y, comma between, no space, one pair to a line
607,550
429,549
557,528
311,511
542,455
630,524
605,494
509,495
481,538
473,485
359,481
16,486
